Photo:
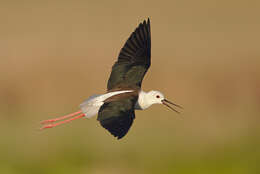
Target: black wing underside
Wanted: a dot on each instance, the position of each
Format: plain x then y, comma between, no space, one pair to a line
134,59
117,116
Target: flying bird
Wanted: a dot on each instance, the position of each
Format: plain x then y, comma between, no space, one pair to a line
116,108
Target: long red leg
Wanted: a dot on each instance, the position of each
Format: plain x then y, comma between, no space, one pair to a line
61,118
62,122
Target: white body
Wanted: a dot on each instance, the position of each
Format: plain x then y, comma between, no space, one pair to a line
91,106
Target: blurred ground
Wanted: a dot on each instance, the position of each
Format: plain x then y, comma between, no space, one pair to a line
205,56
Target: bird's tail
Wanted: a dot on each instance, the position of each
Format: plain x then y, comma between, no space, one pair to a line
50,123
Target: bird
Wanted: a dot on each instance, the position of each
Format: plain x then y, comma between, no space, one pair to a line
115,109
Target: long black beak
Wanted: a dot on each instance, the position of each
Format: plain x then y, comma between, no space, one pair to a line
165,102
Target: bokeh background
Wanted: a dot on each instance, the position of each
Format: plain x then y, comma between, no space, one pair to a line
205,57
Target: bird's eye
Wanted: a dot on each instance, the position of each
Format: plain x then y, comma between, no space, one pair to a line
157,96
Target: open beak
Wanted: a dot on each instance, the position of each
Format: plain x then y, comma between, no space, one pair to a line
167,102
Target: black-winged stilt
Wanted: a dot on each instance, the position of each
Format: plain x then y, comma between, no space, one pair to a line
116,108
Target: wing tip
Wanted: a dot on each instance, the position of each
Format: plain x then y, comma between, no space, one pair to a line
114,130
117,135
146,22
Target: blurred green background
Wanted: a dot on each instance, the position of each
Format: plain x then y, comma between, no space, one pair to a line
205,57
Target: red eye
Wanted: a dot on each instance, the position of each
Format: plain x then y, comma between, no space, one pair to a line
157,96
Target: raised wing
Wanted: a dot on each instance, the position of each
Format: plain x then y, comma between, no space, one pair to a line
134,59
117,116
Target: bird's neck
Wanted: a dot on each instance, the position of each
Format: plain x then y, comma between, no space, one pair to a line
143,102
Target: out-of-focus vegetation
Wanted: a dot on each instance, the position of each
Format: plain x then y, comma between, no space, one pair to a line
205,56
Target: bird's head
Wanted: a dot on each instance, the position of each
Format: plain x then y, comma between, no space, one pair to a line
156,97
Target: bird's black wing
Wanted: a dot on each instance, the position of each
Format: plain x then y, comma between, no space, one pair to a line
134,59
117,116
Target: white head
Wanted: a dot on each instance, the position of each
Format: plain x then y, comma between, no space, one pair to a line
154,97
